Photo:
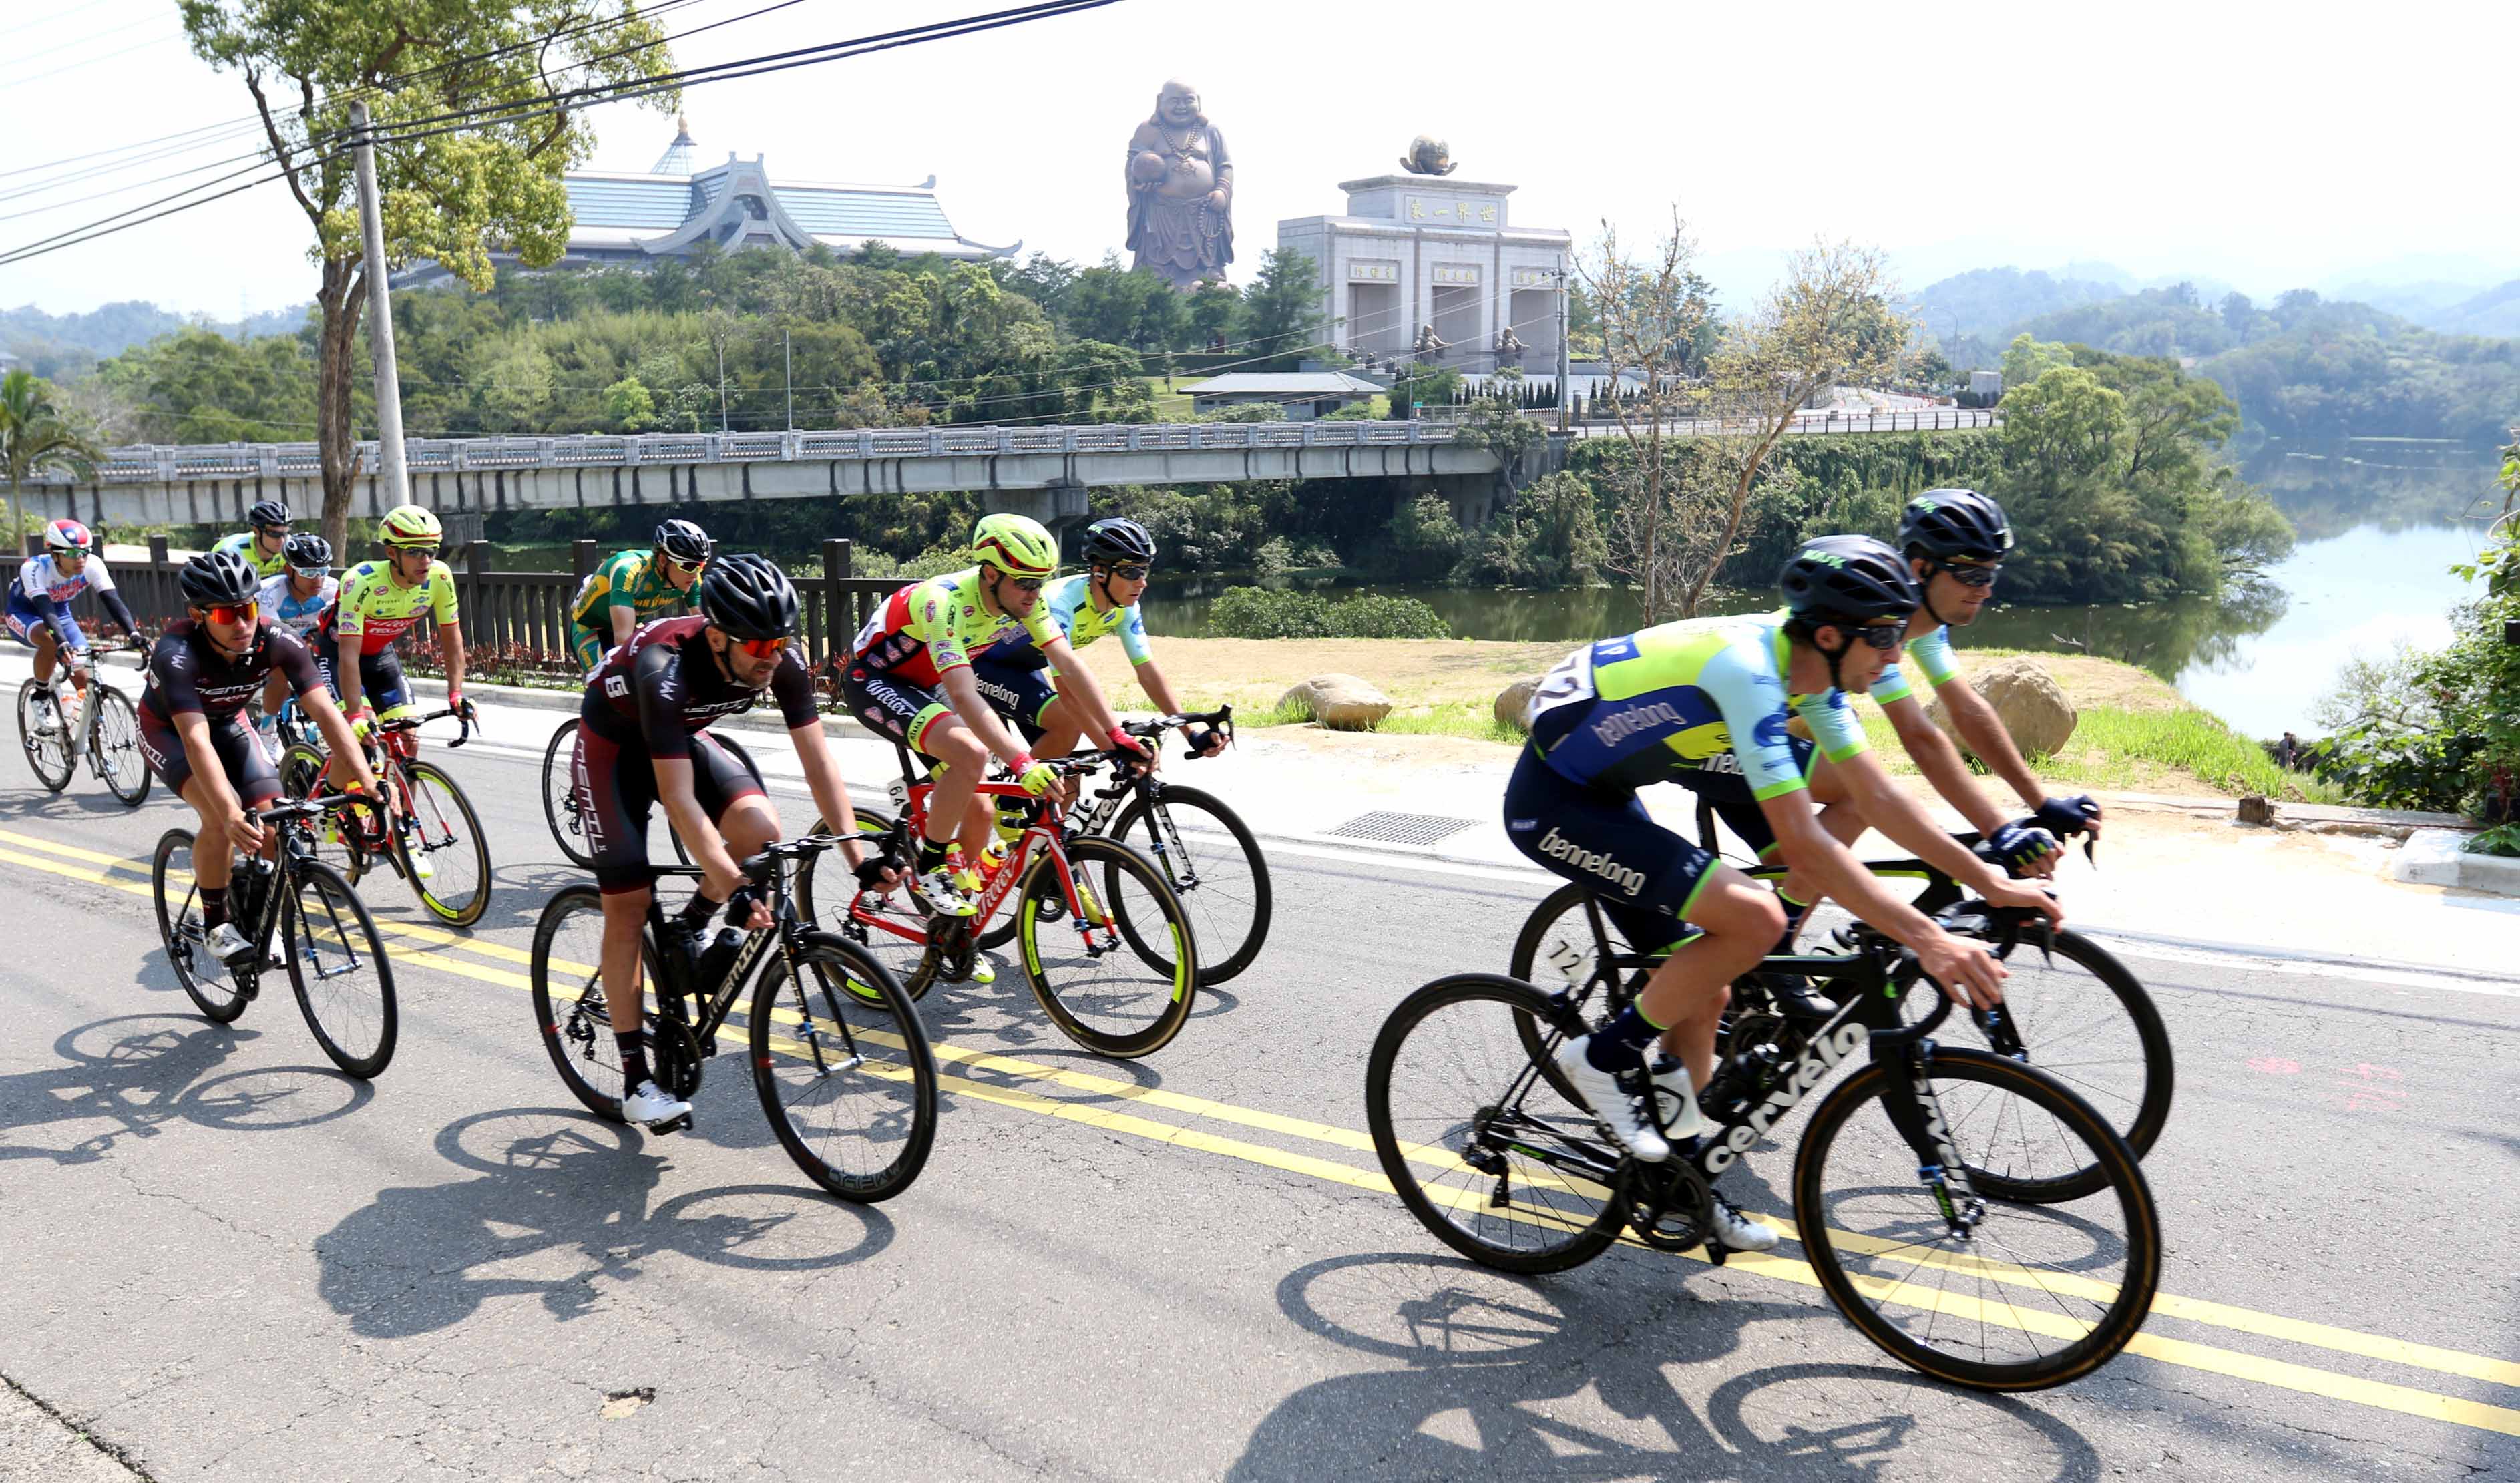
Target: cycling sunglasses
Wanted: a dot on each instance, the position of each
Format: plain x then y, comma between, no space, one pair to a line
761,648
679,564
429,552
311,573
1882,636
1131,573
1975,576
1028,584
227,613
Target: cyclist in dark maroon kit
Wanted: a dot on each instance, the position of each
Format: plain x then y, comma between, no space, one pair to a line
642,738
202,671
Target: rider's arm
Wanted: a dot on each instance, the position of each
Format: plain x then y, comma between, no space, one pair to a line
450,635
294,665
792,688
1158,689
350,643
1983,730
102,582
719,872
1940,761
217,794
1888,808
625,622
56,615
1080,686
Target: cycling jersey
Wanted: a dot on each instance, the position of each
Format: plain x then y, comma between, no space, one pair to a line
42,592
41,577
188,674
633,579
1933,655
241,543
374,612
664,687
930,627
300,615
1070,600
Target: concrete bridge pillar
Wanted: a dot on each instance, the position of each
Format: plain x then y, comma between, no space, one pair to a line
1057,506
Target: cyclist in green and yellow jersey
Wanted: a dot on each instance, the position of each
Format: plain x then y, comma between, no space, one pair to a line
264,547
633,587
379,602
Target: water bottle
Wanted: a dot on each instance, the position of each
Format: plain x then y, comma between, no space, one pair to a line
710,962
1736,1081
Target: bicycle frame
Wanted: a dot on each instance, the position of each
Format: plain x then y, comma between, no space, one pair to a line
1045,836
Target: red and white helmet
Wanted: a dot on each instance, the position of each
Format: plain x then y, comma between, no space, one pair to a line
67,536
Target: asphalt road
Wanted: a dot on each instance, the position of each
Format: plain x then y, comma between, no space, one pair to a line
225,1262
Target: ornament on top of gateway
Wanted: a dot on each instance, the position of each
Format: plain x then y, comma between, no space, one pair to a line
1428,156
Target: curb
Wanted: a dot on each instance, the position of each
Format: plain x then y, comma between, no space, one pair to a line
2438,857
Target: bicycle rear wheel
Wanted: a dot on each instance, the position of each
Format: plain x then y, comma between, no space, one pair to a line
441,848
559,795
1484,1152
48,755
1558,951
113,740
1214,865
843,1070
891,927
569,1006
301,776
344,981
1103,996
213,989
2033,1295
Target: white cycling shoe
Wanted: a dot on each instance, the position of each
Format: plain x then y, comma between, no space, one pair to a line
1611,1105
229,946
1676,1101
1738,1232
651,1104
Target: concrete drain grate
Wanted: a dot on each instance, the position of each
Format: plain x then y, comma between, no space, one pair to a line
1387,827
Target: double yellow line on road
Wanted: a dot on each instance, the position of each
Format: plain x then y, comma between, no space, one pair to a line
506,966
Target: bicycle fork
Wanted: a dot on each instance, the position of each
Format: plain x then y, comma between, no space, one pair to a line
1918,1118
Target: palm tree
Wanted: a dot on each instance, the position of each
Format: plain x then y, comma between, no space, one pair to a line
35,437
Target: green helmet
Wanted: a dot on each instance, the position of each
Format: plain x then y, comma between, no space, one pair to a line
410,526
1015,544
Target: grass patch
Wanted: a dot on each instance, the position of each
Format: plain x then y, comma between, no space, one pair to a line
2144,750
1473,720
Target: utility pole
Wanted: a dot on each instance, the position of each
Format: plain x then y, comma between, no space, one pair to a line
722,424
1565,364
372,236
788,350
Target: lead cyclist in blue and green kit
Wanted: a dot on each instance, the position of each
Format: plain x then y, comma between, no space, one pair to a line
1657,705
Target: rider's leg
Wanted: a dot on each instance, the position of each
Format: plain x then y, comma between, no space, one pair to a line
626,922
962,760
47,645
1059,731
1844,823
1740,920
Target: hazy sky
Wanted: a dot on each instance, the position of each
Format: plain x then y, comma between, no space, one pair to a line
2271,146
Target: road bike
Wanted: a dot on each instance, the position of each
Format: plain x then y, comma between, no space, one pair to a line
1208,854
1936,1229
838,1058
1123,982
560,795
324,936
433,839
105,730
2070,1007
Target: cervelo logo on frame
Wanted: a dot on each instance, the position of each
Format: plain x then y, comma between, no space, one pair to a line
1558,846
1618,726
1823,1056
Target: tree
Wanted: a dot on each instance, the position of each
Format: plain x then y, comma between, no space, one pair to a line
2238,312
2028,358
451,197
1651,312
36,437
1282,309
629,406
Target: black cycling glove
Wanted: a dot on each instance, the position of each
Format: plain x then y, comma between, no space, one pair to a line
2067,817
2021,844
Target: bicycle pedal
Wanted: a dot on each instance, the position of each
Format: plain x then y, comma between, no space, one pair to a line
680,1124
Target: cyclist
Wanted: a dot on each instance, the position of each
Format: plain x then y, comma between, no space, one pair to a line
1119,559
38,613
298,601
264,547
919,643
643,737
1657,705
632,587
202,671
378,602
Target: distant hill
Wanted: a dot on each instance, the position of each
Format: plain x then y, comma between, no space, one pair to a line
54,343
1985,304
2495,311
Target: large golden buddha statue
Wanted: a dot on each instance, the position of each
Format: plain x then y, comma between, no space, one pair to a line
1181,192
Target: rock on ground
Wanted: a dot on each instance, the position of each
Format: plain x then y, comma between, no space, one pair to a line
2026,699
1341,702
1514,701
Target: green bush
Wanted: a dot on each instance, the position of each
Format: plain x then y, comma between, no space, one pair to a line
1255,612
1387,617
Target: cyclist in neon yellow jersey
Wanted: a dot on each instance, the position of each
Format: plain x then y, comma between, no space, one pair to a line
265,546
1663,704
379,602
635,587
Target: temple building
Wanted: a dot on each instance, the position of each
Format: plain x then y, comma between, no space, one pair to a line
625,219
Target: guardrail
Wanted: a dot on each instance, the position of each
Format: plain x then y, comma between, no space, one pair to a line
1914,420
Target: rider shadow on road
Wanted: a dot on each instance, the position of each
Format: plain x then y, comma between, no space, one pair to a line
129,1075
77,805
1562,1378
561,1209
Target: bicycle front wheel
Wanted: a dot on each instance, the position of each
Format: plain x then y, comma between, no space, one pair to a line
1100,994
843,1070
565,972
49,756
213,988
1213,863
889,927
338,966
2029,1296
441,848
1482,1148
114,736
301,776
559,795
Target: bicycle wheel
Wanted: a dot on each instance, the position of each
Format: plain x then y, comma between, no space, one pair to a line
890,927
114,744
1213,863
301,776
1487,1155
441,848
570,1006
2035,1294
213,987
1557,951
559,795
843,1070
344,981
48,755
1110,1001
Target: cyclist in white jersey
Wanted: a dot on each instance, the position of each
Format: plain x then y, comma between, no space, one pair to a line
296,599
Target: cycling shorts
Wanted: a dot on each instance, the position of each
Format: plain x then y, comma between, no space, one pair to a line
1645,877
1019,692
892,706
1729,794
381,681
23,620
590,646
248,766
616,792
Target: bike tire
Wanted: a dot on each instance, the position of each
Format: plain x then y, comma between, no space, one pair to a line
1547,919
1162,1000
455,911
559,795
49,757
327,945
206,981
2106,1314
570,1008
1409,1159
114,744
890,1081
301,776
1219,960
911,960
2138,1119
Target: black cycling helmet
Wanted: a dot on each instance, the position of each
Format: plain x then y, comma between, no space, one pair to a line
1954,525
748,597
684,541
1117,542
218,578
1848,579
305,549
268,515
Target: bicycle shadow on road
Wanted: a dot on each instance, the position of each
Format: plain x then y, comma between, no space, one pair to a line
131,1074
1564,1378
562,1210
75,805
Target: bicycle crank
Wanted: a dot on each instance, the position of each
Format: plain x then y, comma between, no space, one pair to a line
674,1056
1670,1205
